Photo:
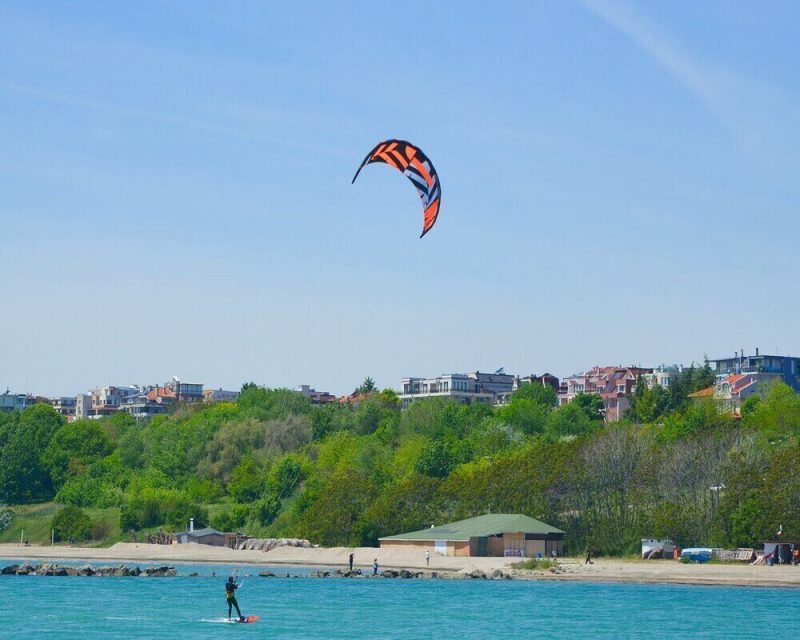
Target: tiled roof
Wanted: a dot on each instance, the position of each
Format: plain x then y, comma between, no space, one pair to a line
703,393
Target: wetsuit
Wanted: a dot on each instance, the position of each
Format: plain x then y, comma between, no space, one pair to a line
230,589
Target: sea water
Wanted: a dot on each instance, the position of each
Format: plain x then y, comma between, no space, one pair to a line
305,607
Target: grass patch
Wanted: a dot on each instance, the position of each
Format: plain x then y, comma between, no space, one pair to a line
32,523
535,564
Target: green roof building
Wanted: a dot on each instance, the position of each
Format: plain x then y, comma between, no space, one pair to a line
494,534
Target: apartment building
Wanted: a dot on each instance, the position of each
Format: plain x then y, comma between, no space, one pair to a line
614,385
466,388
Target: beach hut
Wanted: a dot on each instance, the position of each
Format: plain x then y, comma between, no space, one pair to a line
203,536
496,534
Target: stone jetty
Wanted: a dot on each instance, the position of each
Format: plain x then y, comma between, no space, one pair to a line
51,569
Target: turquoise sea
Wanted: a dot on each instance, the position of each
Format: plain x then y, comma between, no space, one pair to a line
194,607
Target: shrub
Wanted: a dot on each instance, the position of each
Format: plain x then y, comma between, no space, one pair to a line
267,509
100,530
6,516
233,519
86,491
71,523
154,507
202,490
536,564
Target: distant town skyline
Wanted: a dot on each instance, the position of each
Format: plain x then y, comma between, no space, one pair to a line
397,384
619,186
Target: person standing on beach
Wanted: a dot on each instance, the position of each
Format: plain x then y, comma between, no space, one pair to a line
427,558
375,567
230,594
352,556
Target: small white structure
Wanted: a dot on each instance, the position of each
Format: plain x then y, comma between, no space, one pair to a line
654,548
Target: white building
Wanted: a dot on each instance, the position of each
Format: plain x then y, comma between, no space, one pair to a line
13,401
64,405
466,388
108,400
663,376
83,406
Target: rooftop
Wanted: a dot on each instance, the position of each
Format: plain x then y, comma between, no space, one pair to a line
198,533
480,526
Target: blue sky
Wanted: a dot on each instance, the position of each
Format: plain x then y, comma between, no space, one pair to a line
619,186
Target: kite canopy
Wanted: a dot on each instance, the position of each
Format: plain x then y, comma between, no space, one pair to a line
416,166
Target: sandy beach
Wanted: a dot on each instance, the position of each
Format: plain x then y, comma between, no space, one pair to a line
603,570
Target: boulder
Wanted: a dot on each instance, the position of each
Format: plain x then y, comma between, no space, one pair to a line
389,573
161,572
26,569
497,574
477,574
319,574
268,574
86,570
9,570
351,574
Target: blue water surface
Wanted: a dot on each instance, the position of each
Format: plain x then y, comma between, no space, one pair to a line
184,607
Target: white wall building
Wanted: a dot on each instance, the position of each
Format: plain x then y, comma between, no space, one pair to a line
466,388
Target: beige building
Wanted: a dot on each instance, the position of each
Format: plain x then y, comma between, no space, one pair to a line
496,535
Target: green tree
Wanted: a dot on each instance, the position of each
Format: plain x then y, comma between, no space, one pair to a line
247,480
542,394
435,460
778,412
591,404
267,509
571,419
73,447
71,523
285,475
368,386
527,415
648,403
24,476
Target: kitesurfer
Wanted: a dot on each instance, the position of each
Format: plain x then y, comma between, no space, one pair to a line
230,593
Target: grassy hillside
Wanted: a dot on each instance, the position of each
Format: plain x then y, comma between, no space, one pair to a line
33,523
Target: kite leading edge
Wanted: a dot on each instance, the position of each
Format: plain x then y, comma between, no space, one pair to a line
417,167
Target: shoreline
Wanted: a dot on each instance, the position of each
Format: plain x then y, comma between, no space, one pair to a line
621,571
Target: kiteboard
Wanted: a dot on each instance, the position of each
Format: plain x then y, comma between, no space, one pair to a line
248,619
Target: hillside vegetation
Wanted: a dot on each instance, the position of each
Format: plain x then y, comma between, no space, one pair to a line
273,464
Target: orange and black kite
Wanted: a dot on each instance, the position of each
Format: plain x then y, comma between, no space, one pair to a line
416,166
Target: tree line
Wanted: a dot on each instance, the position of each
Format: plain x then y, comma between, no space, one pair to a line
271,464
